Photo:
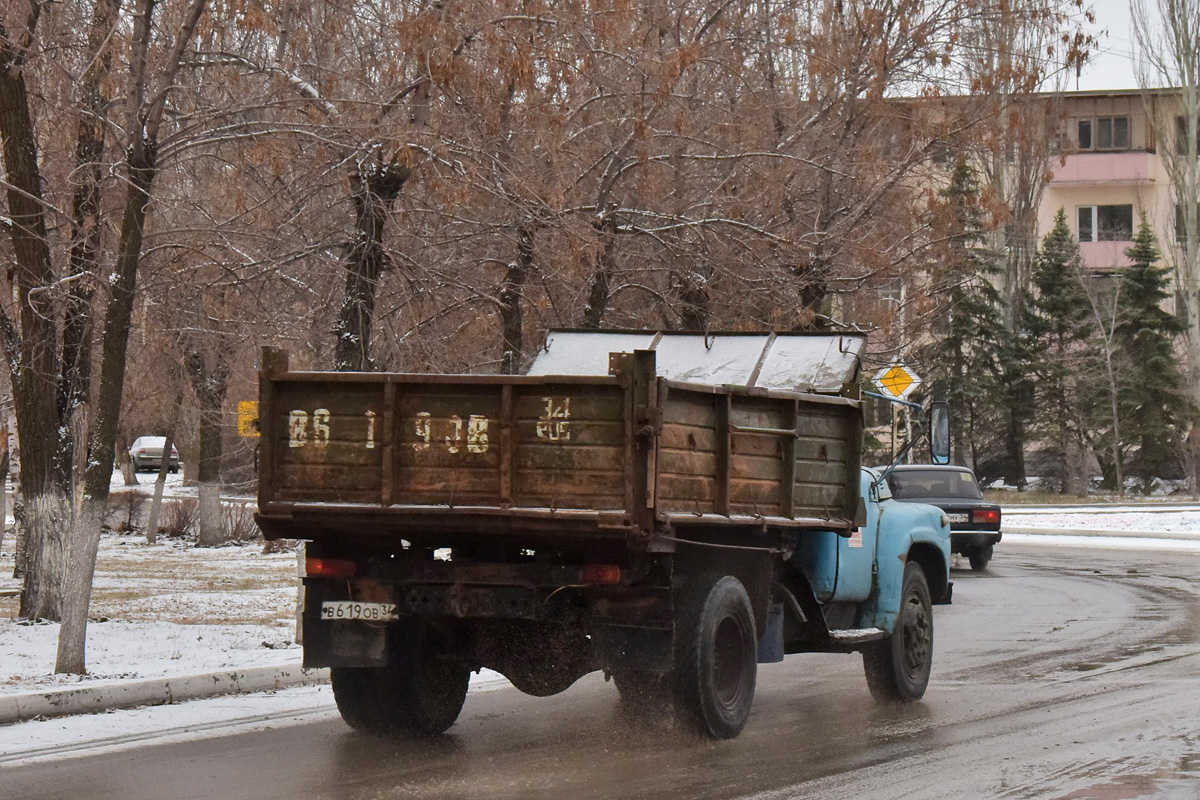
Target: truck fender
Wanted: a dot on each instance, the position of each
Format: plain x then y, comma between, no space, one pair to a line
906,533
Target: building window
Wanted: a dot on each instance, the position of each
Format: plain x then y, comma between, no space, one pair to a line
1110,133
1105,223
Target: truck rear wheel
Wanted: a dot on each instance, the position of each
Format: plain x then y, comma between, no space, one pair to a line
898,667
419,694
716,657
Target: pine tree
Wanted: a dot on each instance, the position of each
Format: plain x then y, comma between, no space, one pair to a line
965,365
1151,396
1061,325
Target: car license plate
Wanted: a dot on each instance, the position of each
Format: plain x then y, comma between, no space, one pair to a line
345,609
959,517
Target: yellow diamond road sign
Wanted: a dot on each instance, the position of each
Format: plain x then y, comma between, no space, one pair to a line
248,418
897,380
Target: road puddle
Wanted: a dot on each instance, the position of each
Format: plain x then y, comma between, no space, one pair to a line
1178,782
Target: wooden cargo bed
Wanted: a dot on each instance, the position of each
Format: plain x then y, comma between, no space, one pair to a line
628,457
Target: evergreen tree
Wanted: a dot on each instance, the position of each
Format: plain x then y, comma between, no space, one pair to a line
1061,324
965,365
1151,399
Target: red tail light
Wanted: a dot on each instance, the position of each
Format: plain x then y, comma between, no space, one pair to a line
601,574
985,516
329,568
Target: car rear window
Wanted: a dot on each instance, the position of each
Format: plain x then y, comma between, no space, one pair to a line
923,484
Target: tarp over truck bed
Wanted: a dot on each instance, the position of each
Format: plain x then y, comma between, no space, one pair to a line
625,453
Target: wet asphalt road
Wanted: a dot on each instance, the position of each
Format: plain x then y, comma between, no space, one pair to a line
1061,673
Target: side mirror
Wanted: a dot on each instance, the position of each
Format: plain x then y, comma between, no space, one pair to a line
939,432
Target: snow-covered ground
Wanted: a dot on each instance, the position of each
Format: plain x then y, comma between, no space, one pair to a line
163,610
172,610
1168,519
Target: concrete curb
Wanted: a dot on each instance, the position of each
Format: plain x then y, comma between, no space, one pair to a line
1191,537
157,691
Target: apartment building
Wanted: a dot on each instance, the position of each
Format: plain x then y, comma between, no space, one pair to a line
1108,174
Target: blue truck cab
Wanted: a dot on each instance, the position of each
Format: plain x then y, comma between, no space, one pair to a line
871,591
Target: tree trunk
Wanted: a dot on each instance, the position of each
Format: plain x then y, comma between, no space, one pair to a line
510,302
812,293
81,553
210,386
160,482
74,378
695,302
375,189
212,531
600,288
126,466
1014,442
4,465
19,550
85,542
1118,466
47,523
35,364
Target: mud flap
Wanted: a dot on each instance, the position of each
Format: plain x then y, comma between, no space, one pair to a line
344,643
770,645
623,648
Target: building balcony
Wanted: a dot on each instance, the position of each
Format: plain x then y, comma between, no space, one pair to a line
1104,256
1085,169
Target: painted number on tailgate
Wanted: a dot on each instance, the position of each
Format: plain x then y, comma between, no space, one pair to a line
302,433
554,424
298,428
453,434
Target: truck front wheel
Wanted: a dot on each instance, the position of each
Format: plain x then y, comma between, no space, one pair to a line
898,667
715,657
418,694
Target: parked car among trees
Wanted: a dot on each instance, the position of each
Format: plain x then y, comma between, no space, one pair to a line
147,452
974,522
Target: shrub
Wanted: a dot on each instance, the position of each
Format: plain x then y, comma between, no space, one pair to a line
180,517
238,521
125,510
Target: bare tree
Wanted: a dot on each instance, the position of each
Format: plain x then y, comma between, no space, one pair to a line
146,105
1167,34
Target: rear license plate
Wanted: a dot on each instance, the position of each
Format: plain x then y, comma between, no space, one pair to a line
953,518
345,609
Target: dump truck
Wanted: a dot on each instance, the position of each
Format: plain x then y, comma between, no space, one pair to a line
670,508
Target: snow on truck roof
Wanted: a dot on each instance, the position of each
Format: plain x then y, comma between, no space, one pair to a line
787,361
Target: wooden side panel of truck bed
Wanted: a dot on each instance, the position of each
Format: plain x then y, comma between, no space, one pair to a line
623,453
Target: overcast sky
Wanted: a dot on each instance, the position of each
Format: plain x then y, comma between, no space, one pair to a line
1111,66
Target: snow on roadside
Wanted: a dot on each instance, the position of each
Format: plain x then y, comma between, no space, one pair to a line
121,650
1185,520
1051,539
169,609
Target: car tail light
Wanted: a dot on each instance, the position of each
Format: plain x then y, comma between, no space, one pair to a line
985,516
329,568
602,574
